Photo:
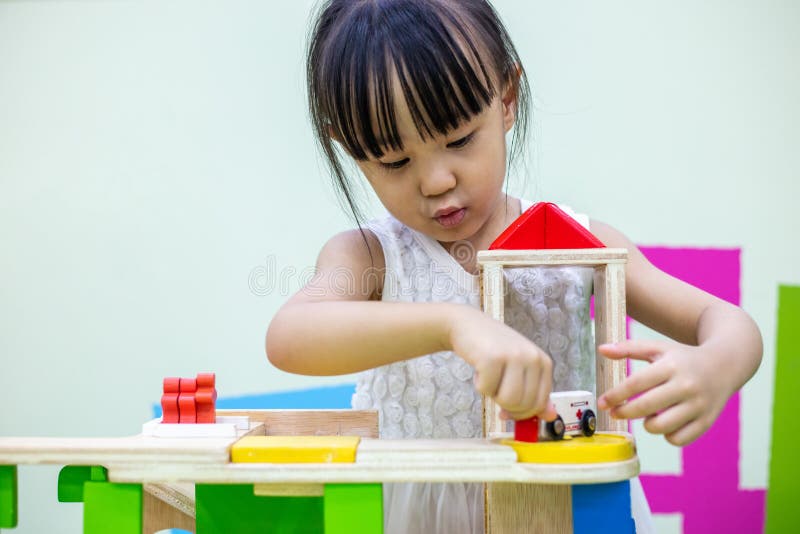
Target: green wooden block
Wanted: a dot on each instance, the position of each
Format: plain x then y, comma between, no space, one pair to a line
72,478
784,472
98,473
227,508
112,507
8,496
353,508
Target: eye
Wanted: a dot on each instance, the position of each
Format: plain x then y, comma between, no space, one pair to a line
464,141
394,164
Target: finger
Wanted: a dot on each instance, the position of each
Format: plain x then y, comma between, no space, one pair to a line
505,415
638,349
635,384
512,389
547,410
671,419
540,387
487,379
530,386
550,414
687,434
649,403
516,416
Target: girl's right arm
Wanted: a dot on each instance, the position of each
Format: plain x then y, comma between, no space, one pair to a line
336,324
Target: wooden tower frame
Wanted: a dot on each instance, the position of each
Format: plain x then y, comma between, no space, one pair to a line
506,508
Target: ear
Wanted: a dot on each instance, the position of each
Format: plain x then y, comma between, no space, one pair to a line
509,100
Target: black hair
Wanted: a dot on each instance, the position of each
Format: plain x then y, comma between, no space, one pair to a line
451,59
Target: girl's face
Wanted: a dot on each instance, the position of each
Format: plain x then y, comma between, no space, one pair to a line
449,187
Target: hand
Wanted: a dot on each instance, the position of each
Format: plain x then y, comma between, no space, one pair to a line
680,395
509,368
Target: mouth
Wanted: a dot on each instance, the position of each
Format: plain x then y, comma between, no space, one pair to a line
449,217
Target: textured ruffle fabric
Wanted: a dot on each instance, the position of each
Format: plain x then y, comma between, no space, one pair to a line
550,305
432,396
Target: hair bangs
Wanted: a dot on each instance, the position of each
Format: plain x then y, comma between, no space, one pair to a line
447,86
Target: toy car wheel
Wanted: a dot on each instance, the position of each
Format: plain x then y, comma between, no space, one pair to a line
556,428
588,423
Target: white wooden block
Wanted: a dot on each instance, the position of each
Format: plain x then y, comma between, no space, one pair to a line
221,429
242,422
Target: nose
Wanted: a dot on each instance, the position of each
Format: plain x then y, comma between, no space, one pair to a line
437,180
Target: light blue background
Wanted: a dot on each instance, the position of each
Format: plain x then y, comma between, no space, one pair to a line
160,196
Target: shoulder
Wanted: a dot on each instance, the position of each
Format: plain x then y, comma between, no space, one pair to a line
350,266
609,235
359,247
613,238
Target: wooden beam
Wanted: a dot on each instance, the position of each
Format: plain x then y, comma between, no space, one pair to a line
362,423
589,257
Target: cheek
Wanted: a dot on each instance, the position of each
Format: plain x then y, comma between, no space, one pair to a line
494,168
395,193
387,186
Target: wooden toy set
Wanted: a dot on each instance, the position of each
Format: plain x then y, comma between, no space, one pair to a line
223,471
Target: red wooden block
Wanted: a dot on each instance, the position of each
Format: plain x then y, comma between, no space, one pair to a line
527,430
206,410
526,232
172,385
186,401
169,400
206,398
545,226
206,380
169,408
562,231
188,385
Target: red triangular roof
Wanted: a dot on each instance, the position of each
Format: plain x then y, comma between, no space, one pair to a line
545,226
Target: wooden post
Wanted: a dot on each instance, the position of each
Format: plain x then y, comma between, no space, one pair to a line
609,321
167,506
493,294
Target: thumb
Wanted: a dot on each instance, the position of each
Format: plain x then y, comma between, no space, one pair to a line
637,349
549,414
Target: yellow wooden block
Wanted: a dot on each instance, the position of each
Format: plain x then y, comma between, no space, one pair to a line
599,448
295,449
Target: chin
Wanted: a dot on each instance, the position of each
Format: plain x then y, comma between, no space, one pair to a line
460,233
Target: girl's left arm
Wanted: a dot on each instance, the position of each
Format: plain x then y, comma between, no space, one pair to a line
716,349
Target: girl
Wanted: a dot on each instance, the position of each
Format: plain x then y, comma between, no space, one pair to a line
420,95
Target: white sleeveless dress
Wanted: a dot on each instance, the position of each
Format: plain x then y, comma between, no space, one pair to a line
433,396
